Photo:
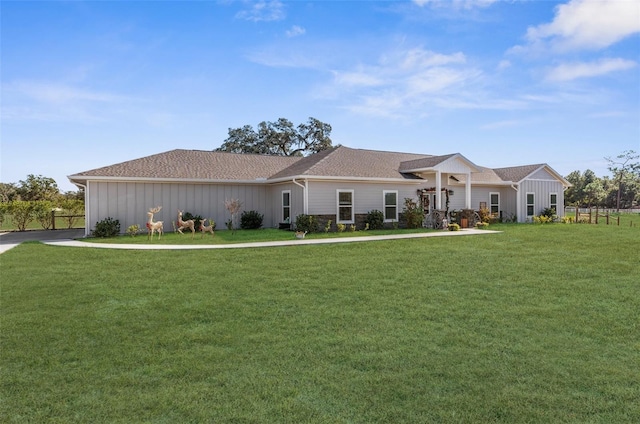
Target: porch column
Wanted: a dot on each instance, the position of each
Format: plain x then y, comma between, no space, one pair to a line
438,190
467,192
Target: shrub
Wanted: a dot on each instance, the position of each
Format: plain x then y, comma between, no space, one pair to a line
454,227
549,213
327,226
251,220
108,227
542,219
133,230
307,223
482,225
197,219
352,228
375,219
484,214
22,213
42,213
413,213
341,227
72,208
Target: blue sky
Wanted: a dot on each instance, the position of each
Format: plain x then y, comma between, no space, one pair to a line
89,84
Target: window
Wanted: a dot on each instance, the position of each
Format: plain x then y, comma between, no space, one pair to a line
494,203
286,205
530,204
390,205
553,201
345,206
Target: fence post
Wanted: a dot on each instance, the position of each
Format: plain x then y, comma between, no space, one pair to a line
53,219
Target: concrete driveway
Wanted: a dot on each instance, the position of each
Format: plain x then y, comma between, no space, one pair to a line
11,239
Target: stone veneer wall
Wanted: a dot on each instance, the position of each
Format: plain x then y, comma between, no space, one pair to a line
360,222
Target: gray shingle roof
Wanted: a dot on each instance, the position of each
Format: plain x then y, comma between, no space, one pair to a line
347,162
425,162
340,162
196,165
516,173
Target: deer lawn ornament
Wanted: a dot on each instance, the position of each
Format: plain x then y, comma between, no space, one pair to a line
185,224
207,228
154,226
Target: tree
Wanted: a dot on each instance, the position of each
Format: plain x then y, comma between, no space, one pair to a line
279,138
38,188
8,192
622,167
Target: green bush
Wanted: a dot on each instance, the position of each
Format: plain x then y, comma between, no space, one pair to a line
251,220
413,213
549,213
22,211
307,223
108,227
133,230
197,219
375,219
454,227
42,213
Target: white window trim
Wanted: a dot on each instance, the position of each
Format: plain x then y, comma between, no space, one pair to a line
551,204
384,205
491,204
282,205
353,207
526,202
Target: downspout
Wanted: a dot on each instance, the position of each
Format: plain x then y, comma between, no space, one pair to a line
516,187
305,195
87,231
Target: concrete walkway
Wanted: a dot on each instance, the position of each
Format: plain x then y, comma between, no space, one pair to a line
60,241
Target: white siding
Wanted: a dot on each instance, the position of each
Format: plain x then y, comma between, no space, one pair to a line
130,202
367,196
541,190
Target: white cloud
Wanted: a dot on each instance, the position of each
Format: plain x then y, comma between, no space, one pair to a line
588,24
403,83
265,11
571,71
26,100
58,93
295,31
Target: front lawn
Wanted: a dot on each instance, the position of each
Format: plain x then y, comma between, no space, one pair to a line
240,236
538,323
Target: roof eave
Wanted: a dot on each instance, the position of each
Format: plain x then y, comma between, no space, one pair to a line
345,178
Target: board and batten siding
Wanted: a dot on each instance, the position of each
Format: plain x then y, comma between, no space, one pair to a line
542,190
275,193
367,196
129,202
508,197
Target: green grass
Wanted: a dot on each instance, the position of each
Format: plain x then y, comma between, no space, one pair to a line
241,236
539,323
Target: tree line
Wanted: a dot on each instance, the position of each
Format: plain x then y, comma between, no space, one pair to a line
620,191
34,199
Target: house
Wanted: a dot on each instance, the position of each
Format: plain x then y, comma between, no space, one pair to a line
340,184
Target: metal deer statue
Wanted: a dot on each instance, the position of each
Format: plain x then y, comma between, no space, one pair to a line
185,224
207,228
154,226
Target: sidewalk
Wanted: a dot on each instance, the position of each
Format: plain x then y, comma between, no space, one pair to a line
292,242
